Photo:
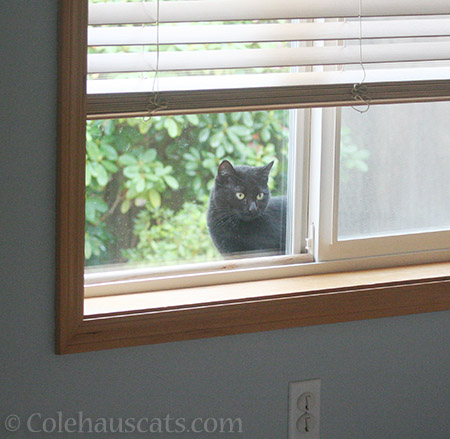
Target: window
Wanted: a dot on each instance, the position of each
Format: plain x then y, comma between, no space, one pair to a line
305,66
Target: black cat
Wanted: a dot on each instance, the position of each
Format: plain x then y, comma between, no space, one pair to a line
242,217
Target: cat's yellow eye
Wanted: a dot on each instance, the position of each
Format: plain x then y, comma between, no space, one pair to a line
240,195
260,196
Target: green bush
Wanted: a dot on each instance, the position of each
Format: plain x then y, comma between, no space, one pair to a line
167,236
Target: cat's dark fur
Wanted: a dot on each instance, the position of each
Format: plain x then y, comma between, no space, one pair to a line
247,224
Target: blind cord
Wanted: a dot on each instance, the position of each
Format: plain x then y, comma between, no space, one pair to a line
155,102
359,90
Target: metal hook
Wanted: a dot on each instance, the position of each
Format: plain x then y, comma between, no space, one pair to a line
360,94
155,103
360,91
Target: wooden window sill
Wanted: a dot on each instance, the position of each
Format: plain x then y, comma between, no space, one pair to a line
144,318
242,291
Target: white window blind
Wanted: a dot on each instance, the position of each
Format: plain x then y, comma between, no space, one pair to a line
215,55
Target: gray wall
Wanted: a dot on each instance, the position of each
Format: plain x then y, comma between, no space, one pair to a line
386,378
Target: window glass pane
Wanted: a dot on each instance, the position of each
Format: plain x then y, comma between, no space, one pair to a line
394,169
148,185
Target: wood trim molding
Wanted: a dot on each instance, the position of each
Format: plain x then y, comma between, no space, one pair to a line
285,310
70,196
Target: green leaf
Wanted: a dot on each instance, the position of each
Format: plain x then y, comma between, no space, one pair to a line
171,126
155,198
361,166
229,148
265,134
171,181
131,193
362,154
350,164
203,135
189,157
270,148
197,183
209,164
149,156
95,166
125,206
109,151
190,166
248,119
144,126
101,205
193,119
93,207
127,160
240,130
88,174
92,150
233,137
109,127
216,139
90,210
131,171
140,184
235,117
351,148
102,176
195,152
157,172
87,248
220,152
110,166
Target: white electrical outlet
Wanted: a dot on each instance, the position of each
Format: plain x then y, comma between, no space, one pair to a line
304,410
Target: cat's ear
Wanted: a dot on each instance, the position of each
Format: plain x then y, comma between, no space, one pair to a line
225,169
265,170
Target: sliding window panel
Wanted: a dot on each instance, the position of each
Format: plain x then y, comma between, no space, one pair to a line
385,182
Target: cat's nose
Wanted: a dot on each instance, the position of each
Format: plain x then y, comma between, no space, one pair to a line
253,208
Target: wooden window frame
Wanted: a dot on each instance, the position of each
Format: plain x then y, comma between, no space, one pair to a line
274,304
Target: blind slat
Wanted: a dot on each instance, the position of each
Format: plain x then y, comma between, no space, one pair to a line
266,58
260,80
226,10
115,36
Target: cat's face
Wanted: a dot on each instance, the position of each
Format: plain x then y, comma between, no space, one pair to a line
242,190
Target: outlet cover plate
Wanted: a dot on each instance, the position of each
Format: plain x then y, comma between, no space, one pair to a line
298,390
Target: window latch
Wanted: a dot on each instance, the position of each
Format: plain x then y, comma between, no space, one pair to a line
310,240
